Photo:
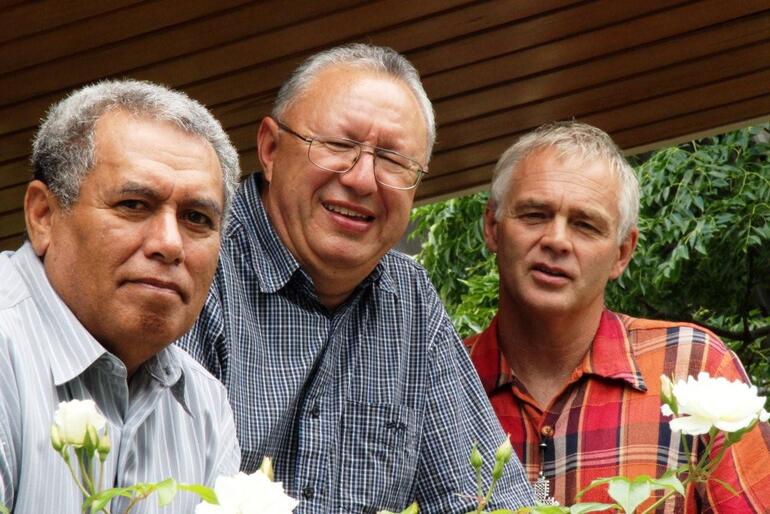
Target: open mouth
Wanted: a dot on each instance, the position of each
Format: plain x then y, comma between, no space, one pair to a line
348,213
550,271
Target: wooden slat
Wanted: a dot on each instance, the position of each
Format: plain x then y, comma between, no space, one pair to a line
107,29
10,243
626,116
148,57
529,33
681,129
581,48
565,89
204,64
683,103
11,198
32,17
11,223
14,172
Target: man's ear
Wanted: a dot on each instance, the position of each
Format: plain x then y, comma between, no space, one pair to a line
267,145
39,207
625,252
490,227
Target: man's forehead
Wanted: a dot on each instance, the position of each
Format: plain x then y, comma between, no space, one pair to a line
555,164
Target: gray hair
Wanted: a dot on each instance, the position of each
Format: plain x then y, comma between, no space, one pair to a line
570,138
63,147
375,58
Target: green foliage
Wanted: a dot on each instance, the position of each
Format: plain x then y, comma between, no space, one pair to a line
457,259
703,254
704,250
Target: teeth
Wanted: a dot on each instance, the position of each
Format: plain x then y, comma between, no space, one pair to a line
345,212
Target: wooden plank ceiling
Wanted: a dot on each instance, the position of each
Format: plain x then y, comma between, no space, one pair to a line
649,72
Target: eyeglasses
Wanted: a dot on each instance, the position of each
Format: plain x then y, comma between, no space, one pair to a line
339,155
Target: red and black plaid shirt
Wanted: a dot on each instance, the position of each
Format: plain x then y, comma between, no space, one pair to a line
607,420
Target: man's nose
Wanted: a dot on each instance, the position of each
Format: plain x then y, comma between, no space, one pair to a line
361,176
163,239
556,236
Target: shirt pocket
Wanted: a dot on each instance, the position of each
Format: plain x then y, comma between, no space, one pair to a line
378,456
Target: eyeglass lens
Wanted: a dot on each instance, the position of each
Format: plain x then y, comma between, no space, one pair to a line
339,156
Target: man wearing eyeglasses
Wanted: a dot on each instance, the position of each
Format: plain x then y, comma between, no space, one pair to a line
338,356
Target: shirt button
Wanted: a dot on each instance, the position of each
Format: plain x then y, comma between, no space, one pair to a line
308,493
315,411
546,431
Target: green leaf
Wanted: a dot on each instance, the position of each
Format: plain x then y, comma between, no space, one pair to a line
583,508
166,491
594,484
205,493
669,480
99,501
630,494
724,484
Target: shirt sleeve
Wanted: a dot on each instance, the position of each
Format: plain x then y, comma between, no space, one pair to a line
458,414
227,453
746,464
9,412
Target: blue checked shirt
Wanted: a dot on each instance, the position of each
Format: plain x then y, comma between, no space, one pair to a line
370,406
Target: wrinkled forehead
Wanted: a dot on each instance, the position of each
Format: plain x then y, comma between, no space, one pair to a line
349,94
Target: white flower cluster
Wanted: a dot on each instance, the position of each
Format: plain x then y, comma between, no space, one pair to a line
706,403
248,494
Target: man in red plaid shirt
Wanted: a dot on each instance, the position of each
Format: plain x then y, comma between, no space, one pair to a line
576,385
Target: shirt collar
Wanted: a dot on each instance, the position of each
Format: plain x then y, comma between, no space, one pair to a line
72,349
272,263
611,356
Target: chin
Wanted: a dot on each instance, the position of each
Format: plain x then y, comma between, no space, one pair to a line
158,330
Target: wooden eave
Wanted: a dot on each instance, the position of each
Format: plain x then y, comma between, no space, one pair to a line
650,72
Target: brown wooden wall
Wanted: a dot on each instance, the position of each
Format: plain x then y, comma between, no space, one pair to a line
648,71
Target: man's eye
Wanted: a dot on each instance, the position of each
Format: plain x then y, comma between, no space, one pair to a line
532,216
198,218
133,205
588,227
338,146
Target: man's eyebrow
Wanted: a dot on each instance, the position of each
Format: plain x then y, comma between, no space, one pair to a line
593,214
204,204
136,188
529,203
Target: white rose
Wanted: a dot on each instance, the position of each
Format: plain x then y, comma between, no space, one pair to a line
248,494
72,419
714,402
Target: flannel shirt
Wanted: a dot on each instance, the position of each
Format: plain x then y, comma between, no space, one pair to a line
607,419
370,406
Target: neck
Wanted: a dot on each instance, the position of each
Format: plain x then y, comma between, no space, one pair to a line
333,289
544,348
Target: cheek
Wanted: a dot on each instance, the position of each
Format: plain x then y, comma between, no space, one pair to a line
202,257
397,205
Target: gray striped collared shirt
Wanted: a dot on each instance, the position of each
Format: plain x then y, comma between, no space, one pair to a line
172,421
